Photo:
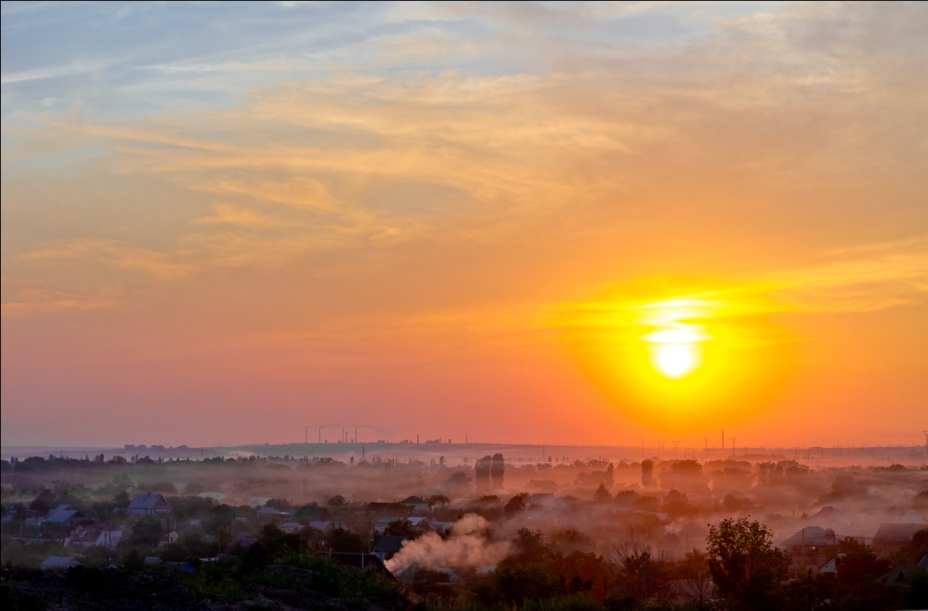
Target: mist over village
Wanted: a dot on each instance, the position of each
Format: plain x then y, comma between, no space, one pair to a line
385,524
464,306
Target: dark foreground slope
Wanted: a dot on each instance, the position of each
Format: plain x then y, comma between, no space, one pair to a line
85,589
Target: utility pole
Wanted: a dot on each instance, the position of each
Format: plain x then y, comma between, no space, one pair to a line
733,446
706,439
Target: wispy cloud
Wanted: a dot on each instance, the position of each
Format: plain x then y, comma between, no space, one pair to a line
145,261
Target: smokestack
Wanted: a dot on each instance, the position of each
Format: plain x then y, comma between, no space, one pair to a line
723,439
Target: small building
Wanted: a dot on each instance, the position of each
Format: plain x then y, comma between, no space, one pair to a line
94,534
291,527
149,503
63,514
313,514
152,561
831,566
388,545
272,513
415,503
364,562
331,525
808,546
420,524
891,537
59,563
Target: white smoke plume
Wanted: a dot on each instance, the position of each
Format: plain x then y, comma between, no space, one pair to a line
467,547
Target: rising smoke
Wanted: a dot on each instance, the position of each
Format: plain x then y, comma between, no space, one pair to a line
467,547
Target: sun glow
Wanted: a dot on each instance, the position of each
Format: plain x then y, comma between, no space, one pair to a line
676,352
690,362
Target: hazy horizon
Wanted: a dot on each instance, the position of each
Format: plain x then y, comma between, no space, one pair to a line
588,224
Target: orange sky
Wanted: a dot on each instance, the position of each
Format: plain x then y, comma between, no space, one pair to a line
446,220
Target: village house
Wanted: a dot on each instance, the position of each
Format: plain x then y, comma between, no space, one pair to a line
388,545
59,563
148,503
891,537
92,533
63,514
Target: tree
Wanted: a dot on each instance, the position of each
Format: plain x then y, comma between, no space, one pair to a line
528,546
439,499
745,566
857,564
399,527
640,574
43,502
147,531
342,540
516,503
602,495
337,501
693,579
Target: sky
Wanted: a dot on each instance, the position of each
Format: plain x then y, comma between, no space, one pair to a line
610,223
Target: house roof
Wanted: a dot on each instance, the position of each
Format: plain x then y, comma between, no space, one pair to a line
391,543
148,500
811,535
61,514
59,562
826,512
315,514
414,500
897,534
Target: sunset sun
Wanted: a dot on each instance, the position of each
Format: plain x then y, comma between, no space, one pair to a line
675,352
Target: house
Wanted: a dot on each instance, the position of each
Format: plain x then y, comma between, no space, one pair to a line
327,525
59,563
420,525
807,547
63,514
94,534
291,527
313,514
415,503
811,537
272,513
148,503
245,540
890,537
365,562
388,545
152,561
171,537
831,567
900,575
